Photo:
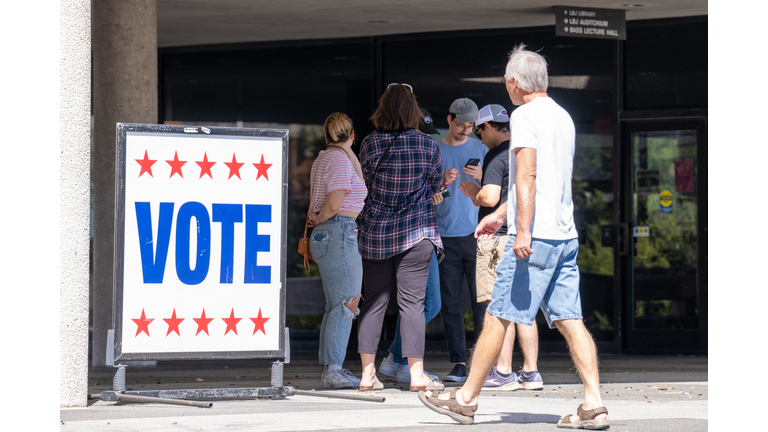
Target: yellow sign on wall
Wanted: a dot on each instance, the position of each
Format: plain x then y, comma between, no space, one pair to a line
665,201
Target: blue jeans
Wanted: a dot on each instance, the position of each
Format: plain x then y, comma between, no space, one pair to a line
333,244
548,280
431,308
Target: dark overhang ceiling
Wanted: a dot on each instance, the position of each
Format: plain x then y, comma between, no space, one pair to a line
204,22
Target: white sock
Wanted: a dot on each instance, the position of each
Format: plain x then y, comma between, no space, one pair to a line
333,367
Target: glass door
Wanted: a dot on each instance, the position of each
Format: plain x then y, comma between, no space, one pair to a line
665,300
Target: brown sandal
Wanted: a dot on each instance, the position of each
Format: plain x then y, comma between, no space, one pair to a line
460,413
586,420
432,386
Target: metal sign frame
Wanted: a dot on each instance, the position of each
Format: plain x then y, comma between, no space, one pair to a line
197,132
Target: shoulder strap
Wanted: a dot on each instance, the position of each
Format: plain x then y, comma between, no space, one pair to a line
337,148
386,152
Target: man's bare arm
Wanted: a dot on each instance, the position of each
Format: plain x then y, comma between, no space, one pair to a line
491,223
525,184
489,195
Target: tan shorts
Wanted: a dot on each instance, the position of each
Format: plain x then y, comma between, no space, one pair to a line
485,269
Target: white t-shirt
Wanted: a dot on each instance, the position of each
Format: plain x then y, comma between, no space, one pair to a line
545,126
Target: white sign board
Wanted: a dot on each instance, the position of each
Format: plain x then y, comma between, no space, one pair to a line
200,243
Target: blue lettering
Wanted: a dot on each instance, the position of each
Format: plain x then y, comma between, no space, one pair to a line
186,274
153,261
254,242
228,215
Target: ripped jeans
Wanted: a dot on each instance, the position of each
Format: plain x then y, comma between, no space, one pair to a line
333,244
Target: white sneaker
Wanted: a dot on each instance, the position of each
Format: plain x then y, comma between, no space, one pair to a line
338,378
355,381
389,368
404,374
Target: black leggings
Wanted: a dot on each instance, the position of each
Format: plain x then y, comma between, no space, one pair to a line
408,271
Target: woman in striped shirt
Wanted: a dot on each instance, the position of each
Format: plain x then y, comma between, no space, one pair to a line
337,196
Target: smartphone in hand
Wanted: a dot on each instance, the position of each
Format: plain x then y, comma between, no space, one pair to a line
472,161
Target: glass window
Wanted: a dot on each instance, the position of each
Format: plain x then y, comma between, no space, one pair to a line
292,86
581,79
666,64
665,211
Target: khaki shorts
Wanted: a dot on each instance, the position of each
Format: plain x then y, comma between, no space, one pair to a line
485,269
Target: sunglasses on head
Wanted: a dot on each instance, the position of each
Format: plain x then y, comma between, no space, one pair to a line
402,84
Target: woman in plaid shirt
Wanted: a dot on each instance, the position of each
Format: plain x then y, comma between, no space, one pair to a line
398,231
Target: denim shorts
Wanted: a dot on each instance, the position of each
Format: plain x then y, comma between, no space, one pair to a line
548,280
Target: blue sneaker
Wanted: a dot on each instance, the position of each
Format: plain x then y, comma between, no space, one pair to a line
497,382
530,380
388,368
404,374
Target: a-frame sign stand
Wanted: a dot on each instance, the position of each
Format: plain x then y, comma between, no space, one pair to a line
200,254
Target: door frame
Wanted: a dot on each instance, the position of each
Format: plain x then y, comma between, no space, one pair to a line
656,341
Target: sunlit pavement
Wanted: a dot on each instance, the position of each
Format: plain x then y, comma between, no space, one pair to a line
642,393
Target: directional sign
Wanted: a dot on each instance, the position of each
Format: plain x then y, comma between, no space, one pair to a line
199,245
590,23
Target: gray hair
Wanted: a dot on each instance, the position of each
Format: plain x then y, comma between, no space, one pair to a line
529,68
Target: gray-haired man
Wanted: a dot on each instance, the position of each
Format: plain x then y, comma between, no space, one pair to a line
538,269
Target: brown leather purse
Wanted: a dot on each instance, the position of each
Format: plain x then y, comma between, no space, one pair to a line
304,247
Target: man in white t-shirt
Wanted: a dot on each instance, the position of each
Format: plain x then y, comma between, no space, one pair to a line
538,269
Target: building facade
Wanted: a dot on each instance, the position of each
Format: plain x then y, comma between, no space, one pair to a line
640,171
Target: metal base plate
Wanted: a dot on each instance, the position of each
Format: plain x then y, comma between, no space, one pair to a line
202,394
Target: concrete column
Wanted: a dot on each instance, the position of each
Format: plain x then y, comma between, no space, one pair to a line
74,198
124,35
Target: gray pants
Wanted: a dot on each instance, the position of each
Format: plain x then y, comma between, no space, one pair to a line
407,272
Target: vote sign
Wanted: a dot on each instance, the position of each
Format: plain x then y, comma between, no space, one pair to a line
199,242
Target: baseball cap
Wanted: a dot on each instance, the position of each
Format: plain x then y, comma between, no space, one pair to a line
492,112
427,124
465,110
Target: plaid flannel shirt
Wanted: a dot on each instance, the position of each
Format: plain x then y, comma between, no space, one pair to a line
398,212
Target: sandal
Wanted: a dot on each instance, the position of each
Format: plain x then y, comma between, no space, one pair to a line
586,420
460,413
377,385
433,385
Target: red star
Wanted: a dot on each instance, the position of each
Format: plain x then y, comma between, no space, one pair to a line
205,166
173,323
202,323
234,167
143,323
146,164
262,168
259,323
176,165
231,322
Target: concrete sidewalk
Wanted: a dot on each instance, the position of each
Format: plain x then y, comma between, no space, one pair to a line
642,393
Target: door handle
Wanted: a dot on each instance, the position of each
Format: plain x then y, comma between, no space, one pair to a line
623,238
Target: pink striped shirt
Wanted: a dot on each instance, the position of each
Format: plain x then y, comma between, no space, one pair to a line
332,171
